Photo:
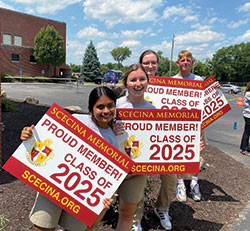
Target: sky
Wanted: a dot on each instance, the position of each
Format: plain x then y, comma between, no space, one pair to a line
201,26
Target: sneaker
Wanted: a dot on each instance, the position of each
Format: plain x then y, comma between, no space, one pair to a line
136,227
195,191
181,193
164,219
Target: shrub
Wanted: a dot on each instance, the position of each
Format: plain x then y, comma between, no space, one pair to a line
4,221
118,90
8,105
6,78
74,78
42,79
24,78
57,79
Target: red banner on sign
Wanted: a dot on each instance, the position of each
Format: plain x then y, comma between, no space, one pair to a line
49,190
157,114
165,168
175,82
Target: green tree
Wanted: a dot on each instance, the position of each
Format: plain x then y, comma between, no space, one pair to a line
120,54
49,48
75,68
159,53
110,66
163,68
104,68
202,69
232,63
90,65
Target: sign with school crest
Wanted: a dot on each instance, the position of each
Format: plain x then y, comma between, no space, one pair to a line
161,141
39,152
69,164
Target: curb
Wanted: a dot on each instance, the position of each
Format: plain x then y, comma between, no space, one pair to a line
242,223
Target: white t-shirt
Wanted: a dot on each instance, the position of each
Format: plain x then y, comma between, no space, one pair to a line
246,111
105,133
191,77
124,102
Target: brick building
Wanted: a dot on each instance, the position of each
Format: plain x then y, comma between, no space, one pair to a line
17,33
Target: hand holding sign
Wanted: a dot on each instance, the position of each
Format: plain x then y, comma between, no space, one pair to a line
69,164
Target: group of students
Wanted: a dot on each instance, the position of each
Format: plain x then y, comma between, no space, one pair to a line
46,216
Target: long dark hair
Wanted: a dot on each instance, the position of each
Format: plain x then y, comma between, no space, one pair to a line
96,93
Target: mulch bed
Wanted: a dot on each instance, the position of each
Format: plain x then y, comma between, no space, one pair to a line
224,184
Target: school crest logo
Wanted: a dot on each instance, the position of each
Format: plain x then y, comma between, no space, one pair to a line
40,152
131,147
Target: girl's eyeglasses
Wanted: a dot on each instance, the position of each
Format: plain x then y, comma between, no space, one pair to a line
153,63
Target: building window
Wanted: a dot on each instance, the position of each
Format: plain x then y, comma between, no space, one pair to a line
32,59
14,57
7,39
18,40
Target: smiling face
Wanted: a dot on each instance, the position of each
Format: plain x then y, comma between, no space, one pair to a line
136,84
185,63
103,111
150,63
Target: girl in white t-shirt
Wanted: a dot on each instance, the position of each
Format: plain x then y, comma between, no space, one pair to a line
46,215
131,190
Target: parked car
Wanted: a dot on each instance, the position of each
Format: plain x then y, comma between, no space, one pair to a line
110,79
230,87
112,76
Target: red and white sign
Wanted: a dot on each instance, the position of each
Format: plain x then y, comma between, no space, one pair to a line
215,103
161,141
70,164
173,93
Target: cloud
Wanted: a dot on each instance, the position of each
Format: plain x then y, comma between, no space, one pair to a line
191,18
175,12
245,7
75,51
131,43
105,46
198,26
233,25
74,44
91,32
199,37
152,34
45,6
243,38
120,11
6,6
164,46
213,20
135,33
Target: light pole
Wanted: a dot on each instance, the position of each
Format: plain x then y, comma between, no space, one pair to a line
171,57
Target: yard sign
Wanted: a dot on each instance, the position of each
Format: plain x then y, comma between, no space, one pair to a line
69,164
161,141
